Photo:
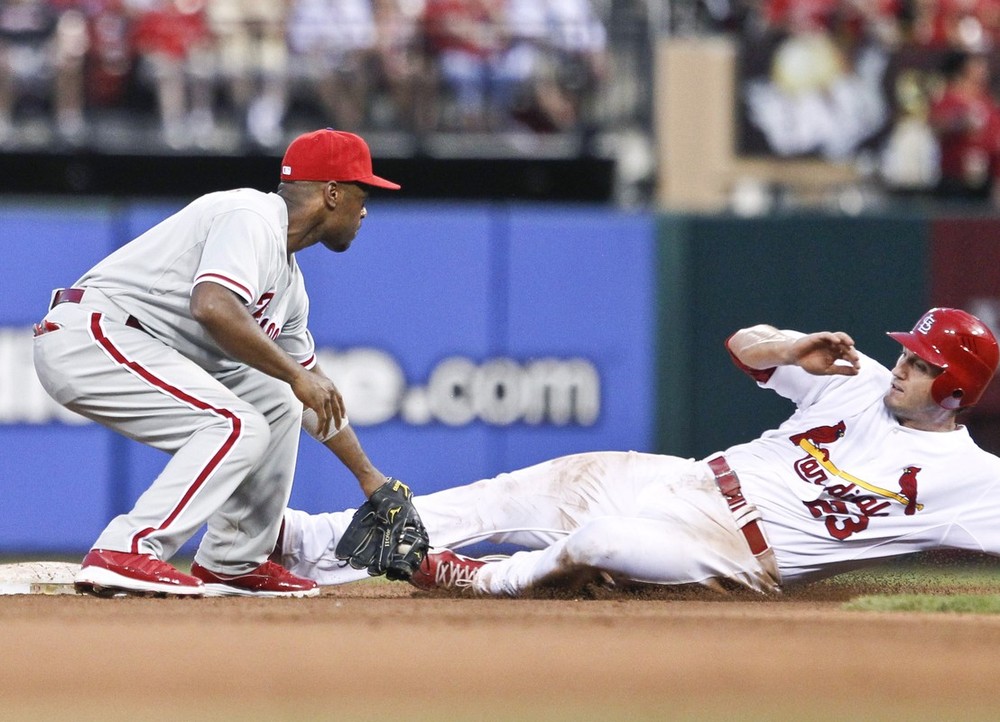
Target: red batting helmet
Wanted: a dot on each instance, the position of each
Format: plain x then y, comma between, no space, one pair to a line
962,345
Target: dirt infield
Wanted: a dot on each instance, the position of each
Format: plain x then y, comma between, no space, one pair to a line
381,651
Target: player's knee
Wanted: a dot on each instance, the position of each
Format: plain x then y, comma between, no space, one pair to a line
284,408
281,395
593,544
254,432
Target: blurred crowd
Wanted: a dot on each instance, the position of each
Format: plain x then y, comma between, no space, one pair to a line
970,24
907,85
193,67
923,71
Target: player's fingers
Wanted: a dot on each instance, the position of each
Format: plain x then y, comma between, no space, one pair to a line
841,368
338,411
850,355
844,339
323,415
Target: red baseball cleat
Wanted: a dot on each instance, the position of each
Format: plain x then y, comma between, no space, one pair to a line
267,580
446,570
106,573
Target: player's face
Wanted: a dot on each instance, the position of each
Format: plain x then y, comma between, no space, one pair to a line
344,220
909,395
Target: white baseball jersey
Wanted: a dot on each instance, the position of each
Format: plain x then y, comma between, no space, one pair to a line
838,485
238,239
842,483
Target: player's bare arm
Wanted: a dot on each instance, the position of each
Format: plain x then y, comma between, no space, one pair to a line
347,448
343,442
824,353
227,320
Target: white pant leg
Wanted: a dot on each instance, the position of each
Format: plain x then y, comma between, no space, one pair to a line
128,381
532,507
684,536
308,545
535,506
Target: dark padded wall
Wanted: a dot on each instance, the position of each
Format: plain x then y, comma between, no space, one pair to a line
861,275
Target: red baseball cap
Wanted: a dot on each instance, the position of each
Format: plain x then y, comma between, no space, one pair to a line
331,155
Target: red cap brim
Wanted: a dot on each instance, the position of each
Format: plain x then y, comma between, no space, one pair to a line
374,180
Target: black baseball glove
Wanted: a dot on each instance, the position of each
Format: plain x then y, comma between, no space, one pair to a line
386,535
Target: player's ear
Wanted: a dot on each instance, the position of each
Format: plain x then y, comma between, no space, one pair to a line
331,194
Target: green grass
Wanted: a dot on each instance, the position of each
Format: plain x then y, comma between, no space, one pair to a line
955,603
963,578
933,583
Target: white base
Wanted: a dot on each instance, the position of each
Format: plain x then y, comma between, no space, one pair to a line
38,578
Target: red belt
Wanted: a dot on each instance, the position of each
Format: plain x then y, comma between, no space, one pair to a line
75,295
729,485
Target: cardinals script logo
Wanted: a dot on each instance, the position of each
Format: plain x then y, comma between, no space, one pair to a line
817,467
850,502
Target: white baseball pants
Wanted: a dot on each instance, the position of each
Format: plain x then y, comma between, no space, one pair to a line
640,517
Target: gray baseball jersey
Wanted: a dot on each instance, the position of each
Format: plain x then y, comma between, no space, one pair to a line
129,355
237,239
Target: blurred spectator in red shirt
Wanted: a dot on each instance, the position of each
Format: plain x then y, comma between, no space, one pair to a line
175,49
966,121
109,55
471,43
801,15
850,20
965,24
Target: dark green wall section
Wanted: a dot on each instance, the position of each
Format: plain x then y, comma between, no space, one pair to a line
864,276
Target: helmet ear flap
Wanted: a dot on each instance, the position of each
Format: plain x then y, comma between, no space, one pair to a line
963,382
945,393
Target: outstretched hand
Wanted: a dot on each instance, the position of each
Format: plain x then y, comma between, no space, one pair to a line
319,393
826,354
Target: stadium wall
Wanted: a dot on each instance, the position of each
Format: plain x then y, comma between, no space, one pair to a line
467,338
472,338
717,274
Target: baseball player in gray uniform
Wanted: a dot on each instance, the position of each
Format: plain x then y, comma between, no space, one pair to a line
193,339
873,464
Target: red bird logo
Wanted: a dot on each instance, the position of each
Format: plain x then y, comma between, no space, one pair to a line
820,434
908,487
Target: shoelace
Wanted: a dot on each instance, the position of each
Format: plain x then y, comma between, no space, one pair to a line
457,574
